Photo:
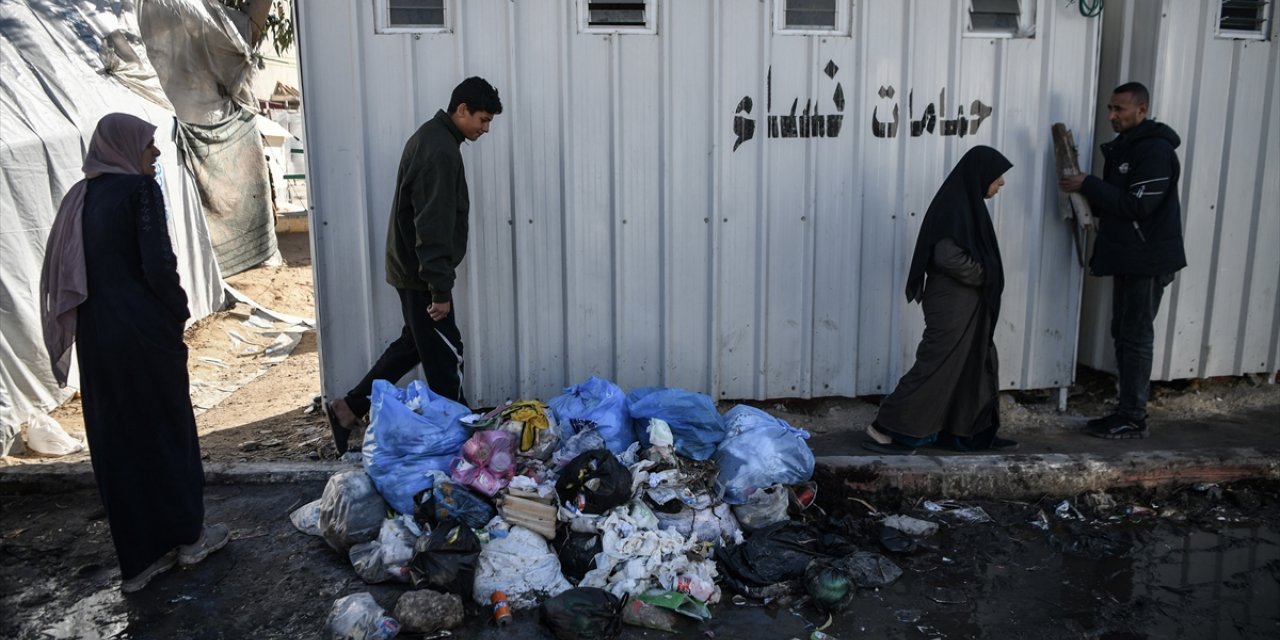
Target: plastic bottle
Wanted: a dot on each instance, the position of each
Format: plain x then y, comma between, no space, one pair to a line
501,611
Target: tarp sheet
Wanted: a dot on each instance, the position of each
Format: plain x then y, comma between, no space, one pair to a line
55,86
201,53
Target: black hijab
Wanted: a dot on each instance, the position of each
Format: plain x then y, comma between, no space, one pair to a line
959,211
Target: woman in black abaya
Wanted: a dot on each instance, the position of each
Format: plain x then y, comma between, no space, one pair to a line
110,284
949,396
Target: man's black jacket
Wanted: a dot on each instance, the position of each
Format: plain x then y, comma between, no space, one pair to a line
1136,203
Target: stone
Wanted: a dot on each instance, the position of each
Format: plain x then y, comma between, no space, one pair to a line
426,611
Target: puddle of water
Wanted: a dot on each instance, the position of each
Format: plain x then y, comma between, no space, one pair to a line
100,616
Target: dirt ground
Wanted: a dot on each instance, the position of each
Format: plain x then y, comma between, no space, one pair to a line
271,413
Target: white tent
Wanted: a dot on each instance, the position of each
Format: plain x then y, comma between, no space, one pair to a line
62,67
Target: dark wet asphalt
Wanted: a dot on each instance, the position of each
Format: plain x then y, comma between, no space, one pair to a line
1213,575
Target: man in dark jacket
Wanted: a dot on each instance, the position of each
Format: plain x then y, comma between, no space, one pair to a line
1139,244
426,240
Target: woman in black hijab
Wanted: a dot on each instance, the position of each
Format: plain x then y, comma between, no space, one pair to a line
949,396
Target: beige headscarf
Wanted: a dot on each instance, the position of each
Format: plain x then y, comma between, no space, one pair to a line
116,147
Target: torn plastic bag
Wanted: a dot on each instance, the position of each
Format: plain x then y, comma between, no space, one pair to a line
577,552
601,402
587,438
387,557
528,421
716,525
351,511
594,483
584,613
522,566
307,518
449,501
695,424
411,431
679,520
778,553
763,507
760,450
681,603
446,559
869,570
486,462
358,617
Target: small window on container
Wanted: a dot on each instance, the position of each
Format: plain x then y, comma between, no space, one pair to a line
1001,19
411,16
618,16
1247,19
803,17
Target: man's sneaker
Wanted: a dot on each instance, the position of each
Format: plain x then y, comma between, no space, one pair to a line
136,583
1097,421
1118,427
212,538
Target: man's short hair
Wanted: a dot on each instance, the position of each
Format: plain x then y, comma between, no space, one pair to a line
1137,90
478,95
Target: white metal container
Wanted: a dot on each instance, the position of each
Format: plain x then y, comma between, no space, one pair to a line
623,223
1221,93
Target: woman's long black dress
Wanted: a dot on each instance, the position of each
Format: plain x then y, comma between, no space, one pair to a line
133,373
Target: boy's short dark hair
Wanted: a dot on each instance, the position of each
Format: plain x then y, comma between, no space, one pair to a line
1135,89
478,95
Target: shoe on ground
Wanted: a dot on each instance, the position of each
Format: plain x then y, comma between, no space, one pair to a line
136,583
1118,427
1004,444
212,538
1097,421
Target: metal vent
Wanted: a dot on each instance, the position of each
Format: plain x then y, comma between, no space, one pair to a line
810,14
618,13
1245,18
415,13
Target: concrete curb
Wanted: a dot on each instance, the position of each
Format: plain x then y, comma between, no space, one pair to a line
58,477
955,476
1028,476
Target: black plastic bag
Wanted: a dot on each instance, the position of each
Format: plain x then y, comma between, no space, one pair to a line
594,482
450,501
577,552
446,559
584,613
778,553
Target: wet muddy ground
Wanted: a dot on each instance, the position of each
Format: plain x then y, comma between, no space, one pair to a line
1190,562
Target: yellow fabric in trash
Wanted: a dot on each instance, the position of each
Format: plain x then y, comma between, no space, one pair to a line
534,416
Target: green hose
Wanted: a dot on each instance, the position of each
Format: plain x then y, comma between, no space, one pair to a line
1090,8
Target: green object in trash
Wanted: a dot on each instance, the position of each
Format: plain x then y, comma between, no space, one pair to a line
681,603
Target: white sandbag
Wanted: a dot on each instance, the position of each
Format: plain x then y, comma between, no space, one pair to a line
46,437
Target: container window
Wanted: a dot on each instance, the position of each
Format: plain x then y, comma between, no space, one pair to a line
617,16
412,16
1248,19
812,17
1001,19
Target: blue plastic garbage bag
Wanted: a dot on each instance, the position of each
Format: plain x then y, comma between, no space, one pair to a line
760,450
695,423
601,402
401,445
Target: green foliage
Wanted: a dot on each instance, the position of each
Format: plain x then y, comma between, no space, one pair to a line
278,25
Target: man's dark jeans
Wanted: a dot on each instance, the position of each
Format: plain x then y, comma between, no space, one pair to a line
1135,300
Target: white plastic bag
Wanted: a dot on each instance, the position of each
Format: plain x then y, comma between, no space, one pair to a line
520,565
307,518
358,617
351,511
46,437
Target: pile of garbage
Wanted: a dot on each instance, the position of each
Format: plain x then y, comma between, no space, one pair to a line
598,508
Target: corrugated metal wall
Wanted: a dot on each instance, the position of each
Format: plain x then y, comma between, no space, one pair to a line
620,227
1221,316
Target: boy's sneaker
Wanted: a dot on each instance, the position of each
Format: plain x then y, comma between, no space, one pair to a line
1118,427
136,583
212,538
